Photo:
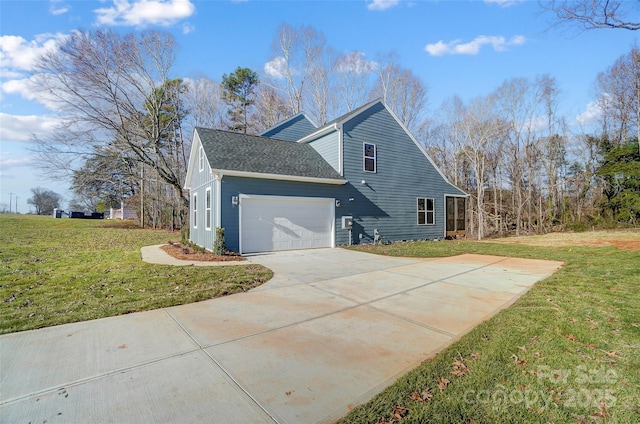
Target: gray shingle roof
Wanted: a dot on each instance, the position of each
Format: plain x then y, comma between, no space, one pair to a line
248,153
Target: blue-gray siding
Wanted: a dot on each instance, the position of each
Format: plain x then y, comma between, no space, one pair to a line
403,174
234,186
200,180
387,201
291,130
328,147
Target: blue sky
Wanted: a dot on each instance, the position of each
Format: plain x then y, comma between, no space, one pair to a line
465,48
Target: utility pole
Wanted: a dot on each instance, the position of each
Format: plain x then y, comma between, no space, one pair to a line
10,201
16,203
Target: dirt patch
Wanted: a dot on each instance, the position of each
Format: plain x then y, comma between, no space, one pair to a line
622,239
620,244
186,253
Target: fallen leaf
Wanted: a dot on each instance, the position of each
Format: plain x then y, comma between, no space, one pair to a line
581,418
423,397
602,411
443,383
570,337
459,369
399,412
612,354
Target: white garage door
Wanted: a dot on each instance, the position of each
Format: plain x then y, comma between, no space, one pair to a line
269,223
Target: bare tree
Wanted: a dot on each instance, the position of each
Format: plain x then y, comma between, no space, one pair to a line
480,128
320,97
116,89
296,52
592,14
353,75
553,147
271,108
619,97
45,201
203,102
518,101
401,90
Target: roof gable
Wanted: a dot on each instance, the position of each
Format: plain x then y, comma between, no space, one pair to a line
333,125
291,129
336,125
229,151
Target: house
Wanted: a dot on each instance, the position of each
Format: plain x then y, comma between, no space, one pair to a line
361,178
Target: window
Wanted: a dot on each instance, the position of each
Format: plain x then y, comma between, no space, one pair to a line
426,213
194,209
369,157
207,209
201,158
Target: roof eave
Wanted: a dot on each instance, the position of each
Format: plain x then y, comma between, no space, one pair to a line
282,177
322,131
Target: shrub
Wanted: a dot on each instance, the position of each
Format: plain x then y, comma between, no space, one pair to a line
219,245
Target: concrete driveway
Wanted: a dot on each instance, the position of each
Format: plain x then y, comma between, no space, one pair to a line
330,330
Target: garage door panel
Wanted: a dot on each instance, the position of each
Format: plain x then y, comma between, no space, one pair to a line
285,223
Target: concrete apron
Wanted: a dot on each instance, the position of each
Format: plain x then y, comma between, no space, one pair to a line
328,332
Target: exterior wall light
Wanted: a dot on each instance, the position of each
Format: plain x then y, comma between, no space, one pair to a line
234,200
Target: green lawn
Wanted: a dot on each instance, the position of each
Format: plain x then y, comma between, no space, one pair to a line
567,352
56,271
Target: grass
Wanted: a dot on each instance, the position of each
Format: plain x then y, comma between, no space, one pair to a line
568,351
57,271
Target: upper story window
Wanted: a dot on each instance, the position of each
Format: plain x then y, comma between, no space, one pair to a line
201,158
426,211
370,157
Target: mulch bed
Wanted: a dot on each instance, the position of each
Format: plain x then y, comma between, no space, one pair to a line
181,251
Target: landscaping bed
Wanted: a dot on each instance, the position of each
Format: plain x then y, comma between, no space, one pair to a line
188,253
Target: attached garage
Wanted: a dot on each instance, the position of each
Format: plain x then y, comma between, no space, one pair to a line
270,223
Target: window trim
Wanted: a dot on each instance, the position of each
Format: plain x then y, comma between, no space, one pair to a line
426,211
365,157
207,208
194,209
201,159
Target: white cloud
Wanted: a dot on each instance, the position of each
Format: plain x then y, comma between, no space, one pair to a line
57,7
188,28
26,88
7,162
276,67
140,13
499,43
382,4
16,53
504,3
592,113
355,62
22,127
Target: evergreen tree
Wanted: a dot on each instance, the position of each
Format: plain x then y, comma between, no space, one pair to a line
621,172
238,92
